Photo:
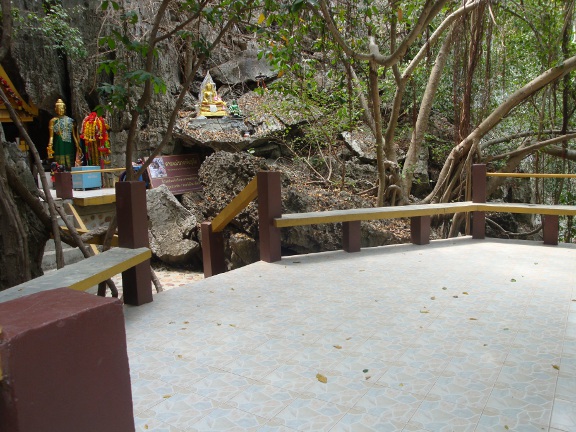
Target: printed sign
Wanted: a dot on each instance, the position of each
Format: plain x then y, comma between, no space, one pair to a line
179,173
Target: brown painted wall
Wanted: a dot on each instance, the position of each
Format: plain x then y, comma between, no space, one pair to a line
65,365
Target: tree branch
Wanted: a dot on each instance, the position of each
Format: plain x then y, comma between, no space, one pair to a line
185,87
561,152
498,114
36,157
147,93
520,135
525,151
180,26
429,11
448,21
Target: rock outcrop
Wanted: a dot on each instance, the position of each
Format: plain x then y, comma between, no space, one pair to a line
265,120
243,69
171,228
224,175
361,143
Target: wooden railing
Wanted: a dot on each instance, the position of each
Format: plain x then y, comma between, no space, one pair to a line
239,203
131,257
528,175
267,187
263,186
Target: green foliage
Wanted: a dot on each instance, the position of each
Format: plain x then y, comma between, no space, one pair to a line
123,45
127,83
56,27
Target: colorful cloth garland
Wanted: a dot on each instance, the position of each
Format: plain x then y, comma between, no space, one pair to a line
94,133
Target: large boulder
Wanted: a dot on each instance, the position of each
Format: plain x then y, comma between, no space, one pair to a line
361,143
224,175
299,198
264,119
242,69
171,228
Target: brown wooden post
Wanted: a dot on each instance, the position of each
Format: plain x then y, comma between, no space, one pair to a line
351,236
212,251
64,364
269,207
132,218
63,185
479,196
420,230
550,228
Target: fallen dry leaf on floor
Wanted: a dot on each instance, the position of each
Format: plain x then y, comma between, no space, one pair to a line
473,319
465,292
337,347
321,378
432,298
556,367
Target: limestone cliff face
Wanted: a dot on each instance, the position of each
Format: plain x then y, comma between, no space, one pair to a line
42,74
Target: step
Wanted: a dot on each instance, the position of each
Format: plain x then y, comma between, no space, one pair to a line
71,255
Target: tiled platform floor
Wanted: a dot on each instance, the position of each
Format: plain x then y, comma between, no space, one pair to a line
458,335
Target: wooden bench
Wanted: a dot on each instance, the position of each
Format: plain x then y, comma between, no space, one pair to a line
373,213
82,275
558,210
267,187
420,218
363,214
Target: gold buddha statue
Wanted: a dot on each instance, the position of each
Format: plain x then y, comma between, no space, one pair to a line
211,105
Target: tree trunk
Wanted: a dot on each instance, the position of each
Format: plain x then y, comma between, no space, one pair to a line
377,116
13,237
474,51
424,114
462,150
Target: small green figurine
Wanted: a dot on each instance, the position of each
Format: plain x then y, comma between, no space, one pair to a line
234,109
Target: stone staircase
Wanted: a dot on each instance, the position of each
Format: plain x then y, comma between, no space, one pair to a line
71,255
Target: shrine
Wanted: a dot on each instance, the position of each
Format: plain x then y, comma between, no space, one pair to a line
27,111
211,105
